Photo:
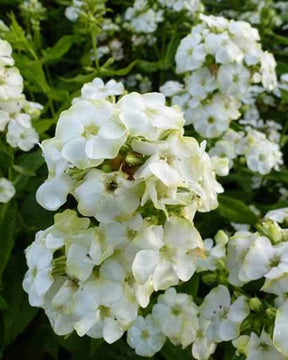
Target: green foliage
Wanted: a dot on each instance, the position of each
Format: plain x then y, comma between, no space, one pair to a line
236,211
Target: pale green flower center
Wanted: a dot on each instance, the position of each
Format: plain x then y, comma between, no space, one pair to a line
176,310
145,334
275,261
90,131
104,311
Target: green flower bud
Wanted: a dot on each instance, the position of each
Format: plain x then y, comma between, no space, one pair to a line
133,160
270,229
271,313
221,238
255,304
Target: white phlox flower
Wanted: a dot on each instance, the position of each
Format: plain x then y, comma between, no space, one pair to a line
7,190
220,57
176,314
145,336
226,318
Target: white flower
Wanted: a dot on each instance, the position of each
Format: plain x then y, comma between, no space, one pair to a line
280,329
57,305
21,133
268,65
211,120
6,52
7,190
218,22
171,88
38,278
148,116
83,253
107,197
277,286
262,155
89,133
223,48
98,307
237,249
145,337
233,80
200,83
202,348
11,83
176,315
226,318
263,259
278,215
169,253
190,54
54,191
97,90
72,12
213,253
262,348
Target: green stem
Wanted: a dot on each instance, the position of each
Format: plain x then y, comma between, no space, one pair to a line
94,46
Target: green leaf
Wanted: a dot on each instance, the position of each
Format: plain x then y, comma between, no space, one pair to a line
78,347
172,352
42,125
279,176
236,211
61,47
32,161
148,66
94,345
7,226
3,303
19,313
171,49
121,72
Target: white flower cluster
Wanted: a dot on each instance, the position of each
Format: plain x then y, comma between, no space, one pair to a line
16,112
178,318
144,17
221,59
248,257
7,190
72,12
129,166
261,154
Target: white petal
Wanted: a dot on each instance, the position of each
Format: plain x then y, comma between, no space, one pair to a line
144,265
111,331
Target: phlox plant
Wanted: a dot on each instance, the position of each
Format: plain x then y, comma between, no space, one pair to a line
143,187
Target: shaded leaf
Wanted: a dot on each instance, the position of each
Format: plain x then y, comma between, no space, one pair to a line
7,226
236,211
19,313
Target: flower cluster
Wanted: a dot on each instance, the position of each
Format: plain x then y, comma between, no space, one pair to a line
261,154
225,315
221,59
178,318
16,113
144,17
128,166
248,257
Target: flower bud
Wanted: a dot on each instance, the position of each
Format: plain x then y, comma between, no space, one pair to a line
255,304
270,229
271,313
221,238
133,160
